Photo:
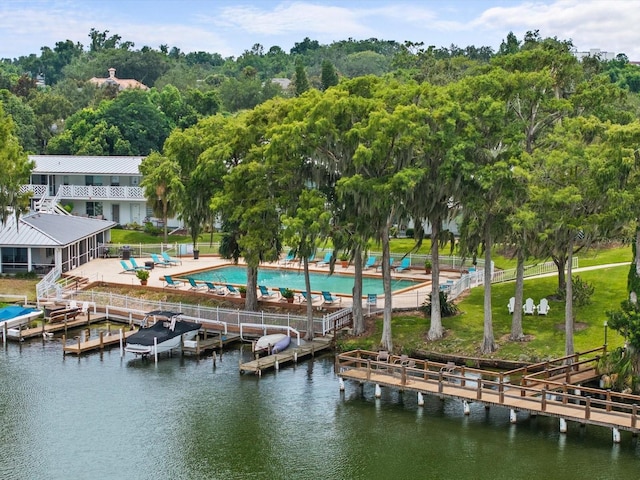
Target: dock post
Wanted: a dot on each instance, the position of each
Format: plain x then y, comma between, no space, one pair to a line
341,384
155,349
121,343
616,435
465,407
295,357
420,399
276,365
101,340
513,417
563,425
4,334
78,344
378,391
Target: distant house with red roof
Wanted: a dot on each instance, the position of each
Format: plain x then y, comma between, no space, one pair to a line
121,83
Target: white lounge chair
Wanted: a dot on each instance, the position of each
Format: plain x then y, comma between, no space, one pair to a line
543,307
512,304
529,307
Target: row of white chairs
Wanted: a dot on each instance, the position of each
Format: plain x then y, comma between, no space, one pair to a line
529,307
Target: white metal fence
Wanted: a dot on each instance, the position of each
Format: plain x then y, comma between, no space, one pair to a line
321,325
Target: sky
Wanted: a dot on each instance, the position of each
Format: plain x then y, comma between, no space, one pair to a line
229,27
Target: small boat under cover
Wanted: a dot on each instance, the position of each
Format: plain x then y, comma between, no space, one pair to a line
166,333
273,343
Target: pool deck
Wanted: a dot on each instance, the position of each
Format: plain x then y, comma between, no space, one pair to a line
110,270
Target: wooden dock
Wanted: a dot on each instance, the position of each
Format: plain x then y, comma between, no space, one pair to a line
100,343
290,355
50,328
209,342
556,391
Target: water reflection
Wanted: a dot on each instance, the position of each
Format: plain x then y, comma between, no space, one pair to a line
102,416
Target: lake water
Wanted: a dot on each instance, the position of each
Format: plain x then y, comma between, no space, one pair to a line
105,417
294,279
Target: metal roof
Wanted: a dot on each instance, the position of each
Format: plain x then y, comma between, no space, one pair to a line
49,230
85,165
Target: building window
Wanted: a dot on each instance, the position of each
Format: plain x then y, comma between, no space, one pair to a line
94,209
95,180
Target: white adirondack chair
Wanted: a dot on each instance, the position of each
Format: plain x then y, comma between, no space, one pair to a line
512,304
543,306
529,307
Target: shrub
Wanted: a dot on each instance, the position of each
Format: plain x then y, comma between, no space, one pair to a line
447,307
150,229
582,292
409,232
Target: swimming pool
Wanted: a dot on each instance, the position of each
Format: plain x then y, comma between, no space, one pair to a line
294,279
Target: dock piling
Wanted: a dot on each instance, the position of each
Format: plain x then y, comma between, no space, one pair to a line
616,435
563,425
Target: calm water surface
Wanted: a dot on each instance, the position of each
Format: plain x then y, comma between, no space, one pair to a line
103,417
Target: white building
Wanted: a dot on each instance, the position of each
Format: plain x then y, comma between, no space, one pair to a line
98,187
40,241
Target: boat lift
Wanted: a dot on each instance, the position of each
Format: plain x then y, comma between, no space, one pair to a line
289,330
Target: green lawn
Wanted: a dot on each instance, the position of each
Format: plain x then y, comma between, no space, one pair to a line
545,334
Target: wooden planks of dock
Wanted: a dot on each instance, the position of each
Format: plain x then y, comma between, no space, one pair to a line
101,342
51,328
549,394
209,342
290,355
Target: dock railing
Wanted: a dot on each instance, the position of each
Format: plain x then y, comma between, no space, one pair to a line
558,399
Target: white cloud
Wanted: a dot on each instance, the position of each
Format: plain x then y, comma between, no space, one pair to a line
288,18
608,25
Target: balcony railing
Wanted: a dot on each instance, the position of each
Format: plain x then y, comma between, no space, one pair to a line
88,192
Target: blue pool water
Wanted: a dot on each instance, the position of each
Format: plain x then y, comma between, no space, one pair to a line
13,311
294,279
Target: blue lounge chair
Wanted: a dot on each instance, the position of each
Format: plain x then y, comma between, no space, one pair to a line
326,260
291,256
406,263
305,297
371,261
218,290
158,261
195,285
171,260
232,290
328,298
391,262
126,268
135,265
171,283
265,293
